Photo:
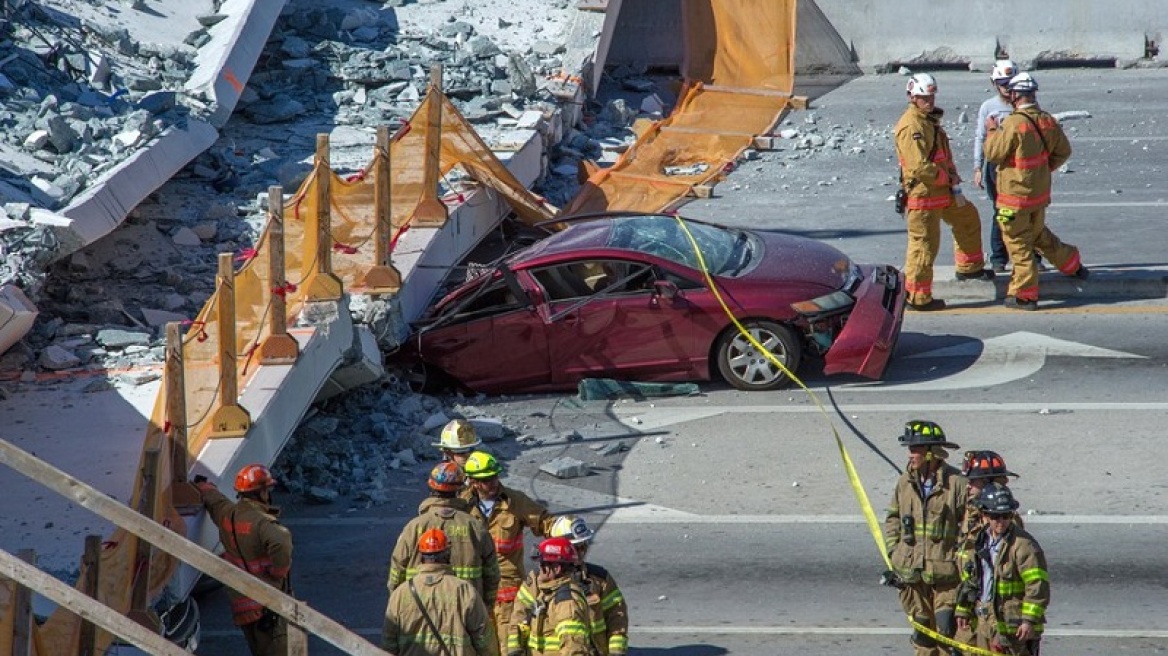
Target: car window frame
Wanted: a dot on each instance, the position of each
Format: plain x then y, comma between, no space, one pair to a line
453,314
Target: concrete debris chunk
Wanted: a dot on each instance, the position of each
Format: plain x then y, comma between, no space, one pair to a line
321,495
184,236
119,339
55,358
611,448
489,429
1071,115
566,467
136,378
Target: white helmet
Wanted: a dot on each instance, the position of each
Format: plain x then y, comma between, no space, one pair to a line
1023,83
573,528
1004,69
921,84
458,436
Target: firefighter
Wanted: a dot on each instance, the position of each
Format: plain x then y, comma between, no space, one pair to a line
608,612
1008,580
436,612
506,513
457,441
472,553
930,180
921,534
1026,146
254,541
551,616
980,469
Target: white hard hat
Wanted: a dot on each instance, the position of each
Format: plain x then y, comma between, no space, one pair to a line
1023,83
458,436
922,84
573,528
1004,69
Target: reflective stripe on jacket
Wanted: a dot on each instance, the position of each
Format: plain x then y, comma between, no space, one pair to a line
452,604
937,522
926,160
513,512
472,552
551,618
1023,163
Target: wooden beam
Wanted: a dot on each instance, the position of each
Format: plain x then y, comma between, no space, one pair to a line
278,347
90,610
703,191
140,610
431,212
382,278
230,419
183,496
86,496
22,619
323,284
91,566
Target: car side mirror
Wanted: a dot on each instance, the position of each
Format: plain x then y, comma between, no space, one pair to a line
665,289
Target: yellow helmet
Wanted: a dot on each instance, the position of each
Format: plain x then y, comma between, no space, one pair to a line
482,465
458,436
571,527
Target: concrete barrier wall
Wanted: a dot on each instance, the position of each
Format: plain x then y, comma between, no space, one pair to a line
958,31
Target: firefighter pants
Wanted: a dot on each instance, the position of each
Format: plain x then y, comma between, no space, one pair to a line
501,613
1026,234
930,606
267,638
924,240
986,636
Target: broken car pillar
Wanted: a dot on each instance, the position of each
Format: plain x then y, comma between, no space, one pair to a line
382,278
322,284
230,419
431,212
278,347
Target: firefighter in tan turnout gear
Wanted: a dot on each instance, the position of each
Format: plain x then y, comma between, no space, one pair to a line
551,617
1005,587
254,541
609,614
436,612
921,534
506,513
929,178
1026,147
472,552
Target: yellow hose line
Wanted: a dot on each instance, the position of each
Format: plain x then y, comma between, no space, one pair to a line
853,476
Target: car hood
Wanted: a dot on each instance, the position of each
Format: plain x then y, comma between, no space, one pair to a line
792,259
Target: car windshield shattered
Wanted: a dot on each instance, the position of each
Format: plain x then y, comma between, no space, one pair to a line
726,251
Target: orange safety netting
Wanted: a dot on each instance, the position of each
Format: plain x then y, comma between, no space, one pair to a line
353,219
739,71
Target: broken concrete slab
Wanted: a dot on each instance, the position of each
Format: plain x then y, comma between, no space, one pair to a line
566,467
120,339
17,315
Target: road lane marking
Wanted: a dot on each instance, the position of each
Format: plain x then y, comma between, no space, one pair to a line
636,515
1079,309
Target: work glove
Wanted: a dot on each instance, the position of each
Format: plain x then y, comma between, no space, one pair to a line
891,579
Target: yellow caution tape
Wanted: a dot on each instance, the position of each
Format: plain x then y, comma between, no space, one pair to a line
853,477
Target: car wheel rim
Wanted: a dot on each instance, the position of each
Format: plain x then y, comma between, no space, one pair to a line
751,365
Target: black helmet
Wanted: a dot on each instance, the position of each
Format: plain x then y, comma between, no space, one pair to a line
919,432
997,499
984,464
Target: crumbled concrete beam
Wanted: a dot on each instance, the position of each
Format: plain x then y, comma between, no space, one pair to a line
566,467
17,315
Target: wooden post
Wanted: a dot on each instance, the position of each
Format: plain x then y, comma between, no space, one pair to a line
297,641
382,277
140,610
323,284
229,420
91,565
22,636
90,498
184,496
279,347
431,211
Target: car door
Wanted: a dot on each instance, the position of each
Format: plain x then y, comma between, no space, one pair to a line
491,342
604,318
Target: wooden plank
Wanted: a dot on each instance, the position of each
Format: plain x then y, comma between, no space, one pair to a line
703,191
90,610
22,620
229,419
278,347
86,496
592,5
91,565
140,610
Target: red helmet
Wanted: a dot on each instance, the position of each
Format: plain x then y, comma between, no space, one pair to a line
254,478
557,550
447,477
433,541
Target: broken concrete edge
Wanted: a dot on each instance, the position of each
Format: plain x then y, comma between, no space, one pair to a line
224,64
1119,284
17,315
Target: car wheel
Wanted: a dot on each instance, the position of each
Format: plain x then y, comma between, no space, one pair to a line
745,367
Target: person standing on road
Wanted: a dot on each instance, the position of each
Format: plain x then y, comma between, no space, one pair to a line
436,612
1008,580
505,513
458,440
921,532
930,180
254,541
1026,146
551,617
472,553
608,612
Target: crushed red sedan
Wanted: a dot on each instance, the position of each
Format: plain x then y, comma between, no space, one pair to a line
623,296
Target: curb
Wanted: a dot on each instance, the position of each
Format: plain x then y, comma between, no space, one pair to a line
1114,283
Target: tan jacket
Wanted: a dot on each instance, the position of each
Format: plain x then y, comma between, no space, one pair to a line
550,618
937,522
608,614
513,512
1022,586
253,540
455,608
472,553
926,161
1024,165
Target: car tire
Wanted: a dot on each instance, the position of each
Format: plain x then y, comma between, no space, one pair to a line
743,367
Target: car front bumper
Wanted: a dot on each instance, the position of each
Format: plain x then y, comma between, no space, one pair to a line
865,344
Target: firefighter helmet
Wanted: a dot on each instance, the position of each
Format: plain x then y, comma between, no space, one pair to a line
921,84
432,541
1004,69
481,465
1023,83
984,464
458,436
919,432
254,478
556,550
572,527
996,499
446,477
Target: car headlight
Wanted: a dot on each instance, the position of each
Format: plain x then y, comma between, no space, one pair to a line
832,302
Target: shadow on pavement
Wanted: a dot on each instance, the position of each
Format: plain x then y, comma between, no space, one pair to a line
680,650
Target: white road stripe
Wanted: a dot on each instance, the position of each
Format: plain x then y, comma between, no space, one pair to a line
854,408
636,515
1153,203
